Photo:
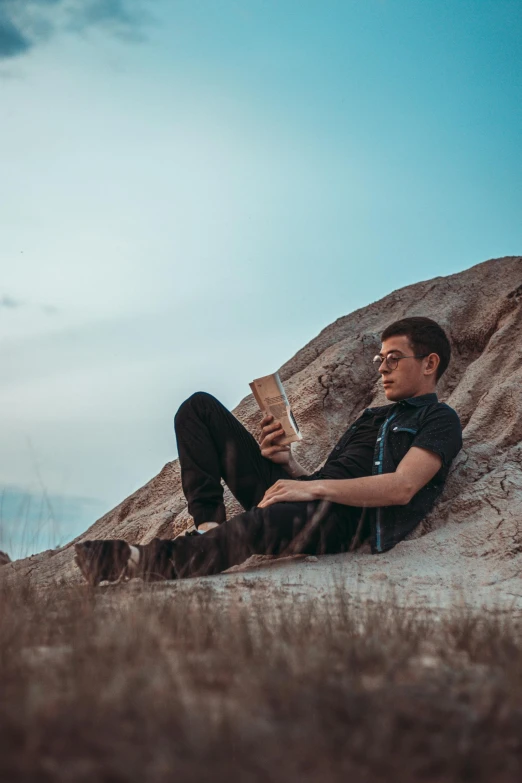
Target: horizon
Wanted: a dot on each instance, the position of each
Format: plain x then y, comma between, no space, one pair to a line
192,194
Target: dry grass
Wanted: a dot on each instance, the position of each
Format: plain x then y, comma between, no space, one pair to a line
153,685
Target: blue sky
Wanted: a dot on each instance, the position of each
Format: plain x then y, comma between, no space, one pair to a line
191,190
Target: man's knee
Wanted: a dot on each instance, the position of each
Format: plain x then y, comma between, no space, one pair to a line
199,401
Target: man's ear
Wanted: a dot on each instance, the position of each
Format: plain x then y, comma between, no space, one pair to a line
432,363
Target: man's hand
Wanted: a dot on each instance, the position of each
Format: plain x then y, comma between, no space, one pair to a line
271,432
288,491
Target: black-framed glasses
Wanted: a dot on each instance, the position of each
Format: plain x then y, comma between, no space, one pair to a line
392,362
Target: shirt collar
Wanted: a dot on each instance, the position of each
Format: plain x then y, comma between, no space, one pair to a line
416,402
422,399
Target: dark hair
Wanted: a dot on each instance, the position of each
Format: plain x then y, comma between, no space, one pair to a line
425,336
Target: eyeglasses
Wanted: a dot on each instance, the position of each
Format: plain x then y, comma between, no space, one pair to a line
392,362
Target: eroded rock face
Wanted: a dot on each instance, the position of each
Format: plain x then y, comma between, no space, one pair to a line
332,379
4,558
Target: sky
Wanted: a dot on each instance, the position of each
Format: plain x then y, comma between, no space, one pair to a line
190,190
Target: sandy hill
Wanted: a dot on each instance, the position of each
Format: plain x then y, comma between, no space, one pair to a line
478,522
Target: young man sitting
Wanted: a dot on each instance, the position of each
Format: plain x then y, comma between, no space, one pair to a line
378,483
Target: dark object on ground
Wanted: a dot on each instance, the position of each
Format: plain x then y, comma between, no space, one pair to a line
4,558
101,561
116,560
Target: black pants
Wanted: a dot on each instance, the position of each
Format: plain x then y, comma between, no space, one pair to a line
214,445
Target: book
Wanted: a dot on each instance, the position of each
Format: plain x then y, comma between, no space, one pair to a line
271,398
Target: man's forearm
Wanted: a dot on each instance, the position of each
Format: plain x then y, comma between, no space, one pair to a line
388,489
294,469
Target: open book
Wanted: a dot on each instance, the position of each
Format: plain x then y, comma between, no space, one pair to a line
271,398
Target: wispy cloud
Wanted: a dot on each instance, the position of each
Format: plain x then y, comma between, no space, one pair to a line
12,41
49,309
25,23
10,303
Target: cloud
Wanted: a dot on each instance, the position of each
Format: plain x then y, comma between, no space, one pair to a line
119,17
12,40
49,309
9,302
26,23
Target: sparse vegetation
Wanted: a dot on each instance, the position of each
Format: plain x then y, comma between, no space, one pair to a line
152,684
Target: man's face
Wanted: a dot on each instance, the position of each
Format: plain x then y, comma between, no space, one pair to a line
409,378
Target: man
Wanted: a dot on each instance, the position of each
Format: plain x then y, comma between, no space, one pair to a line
380,480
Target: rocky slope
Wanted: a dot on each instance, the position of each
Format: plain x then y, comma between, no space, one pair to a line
332,378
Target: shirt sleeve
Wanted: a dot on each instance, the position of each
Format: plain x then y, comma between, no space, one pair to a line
440,432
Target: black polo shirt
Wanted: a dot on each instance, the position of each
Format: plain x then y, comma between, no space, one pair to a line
352,457
378,440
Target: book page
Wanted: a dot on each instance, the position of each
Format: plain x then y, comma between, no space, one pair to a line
271,398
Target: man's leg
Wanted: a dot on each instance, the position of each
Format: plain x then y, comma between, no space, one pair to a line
213,444
283,528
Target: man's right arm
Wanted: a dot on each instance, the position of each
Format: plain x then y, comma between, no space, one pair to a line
271,432
294,469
